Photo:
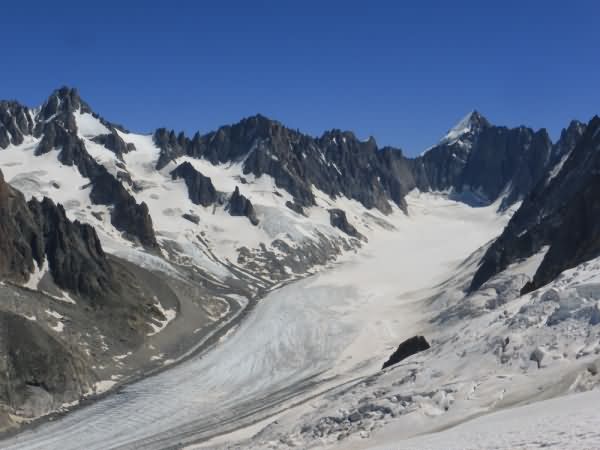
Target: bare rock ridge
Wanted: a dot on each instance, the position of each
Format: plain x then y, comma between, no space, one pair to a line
561,213
35,232
15,123
200,188
127,215
115,143
239,205
337,163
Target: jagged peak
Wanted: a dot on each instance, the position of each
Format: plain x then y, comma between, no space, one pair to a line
470,123
62,100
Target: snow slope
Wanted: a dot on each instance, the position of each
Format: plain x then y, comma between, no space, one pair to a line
569,422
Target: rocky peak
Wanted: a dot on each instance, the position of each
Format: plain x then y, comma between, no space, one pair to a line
259,126
239,205
64,100
568,139
15,122
468,126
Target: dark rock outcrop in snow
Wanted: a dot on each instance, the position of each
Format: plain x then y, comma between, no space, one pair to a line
200,188
337,218
192,218
295,207
239,205
115,143
407,348
126,215
561,212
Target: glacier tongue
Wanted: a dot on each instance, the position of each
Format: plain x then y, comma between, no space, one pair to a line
303,338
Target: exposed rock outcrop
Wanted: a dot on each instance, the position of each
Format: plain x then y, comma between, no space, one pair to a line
75,256
21,242
33,232
407,348
16,122
115,143
338,219
295,207
38,373
239,205
127,215
200,188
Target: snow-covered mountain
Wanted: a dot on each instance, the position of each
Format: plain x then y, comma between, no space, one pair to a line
281,270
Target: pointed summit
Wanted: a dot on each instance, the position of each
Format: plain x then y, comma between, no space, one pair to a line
470,124
62,100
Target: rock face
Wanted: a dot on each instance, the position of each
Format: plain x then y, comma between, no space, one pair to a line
75,256
33,232
561,212
21,243
37,373
240,206
43,363
337,163
407,348
479,162
127,215
200,188
115,143
15,123
338,219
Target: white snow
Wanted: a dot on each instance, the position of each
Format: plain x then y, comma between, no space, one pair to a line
159,325
569,422
59,326
463,127
557,168
54,314
88,125
37,275
103,386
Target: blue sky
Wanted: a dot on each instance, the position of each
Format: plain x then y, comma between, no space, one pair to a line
404,74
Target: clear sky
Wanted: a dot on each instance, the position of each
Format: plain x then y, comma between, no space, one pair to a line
404,74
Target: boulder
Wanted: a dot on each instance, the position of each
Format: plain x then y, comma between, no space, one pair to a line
407,348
